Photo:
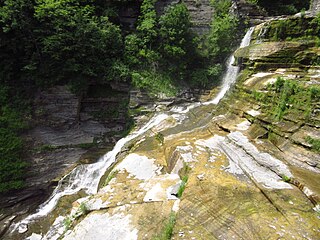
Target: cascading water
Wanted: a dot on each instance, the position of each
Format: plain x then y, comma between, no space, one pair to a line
232,71
87,177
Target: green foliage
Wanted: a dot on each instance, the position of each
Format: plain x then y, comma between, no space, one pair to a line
253,1
278,85
111,175
289,98
258,96
160,138
176,40
182,186
11,145
295,28
315,143
46,42
285,100
83,208
154,82
67,222
147,26
166,233
286,178
222,35
164,51
221,7
184,172
75,44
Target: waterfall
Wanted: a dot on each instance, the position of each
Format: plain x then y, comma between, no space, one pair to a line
232,71
87,177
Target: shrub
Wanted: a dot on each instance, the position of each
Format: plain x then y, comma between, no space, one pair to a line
11,147
111,175
315,143
154,82
166,233
182,186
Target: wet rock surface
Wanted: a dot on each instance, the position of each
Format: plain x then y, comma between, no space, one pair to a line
234,189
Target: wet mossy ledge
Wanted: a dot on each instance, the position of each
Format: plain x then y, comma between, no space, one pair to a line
291,42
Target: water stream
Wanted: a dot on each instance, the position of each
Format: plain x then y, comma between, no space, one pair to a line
232,71
87,177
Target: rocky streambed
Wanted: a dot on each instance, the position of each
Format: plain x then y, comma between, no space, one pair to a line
233,190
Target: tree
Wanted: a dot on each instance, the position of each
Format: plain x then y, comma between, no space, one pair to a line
17,40
177,46
76,45
222,37
11,164
143,44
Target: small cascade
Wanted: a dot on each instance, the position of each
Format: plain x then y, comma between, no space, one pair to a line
232,71
262,32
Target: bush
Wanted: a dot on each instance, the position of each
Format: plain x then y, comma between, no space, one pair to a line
167,228
11,145
11,165
154,82
315,143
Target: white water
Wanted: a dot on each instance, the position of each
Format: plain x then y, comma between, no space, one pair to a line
87,177
232,71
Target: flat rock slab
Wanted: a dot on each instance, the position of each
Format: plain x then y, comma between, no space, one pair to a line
53,164
50,136
126,222
301,136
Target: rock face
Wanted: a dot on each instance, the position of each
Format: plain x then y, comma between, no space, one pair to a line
315,7
65,127
200,12
248,11
57,106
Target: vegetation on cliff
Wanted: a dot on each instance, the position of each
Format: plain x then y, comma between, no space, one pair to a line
287,98
164,51
11,145
301,28
278,7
